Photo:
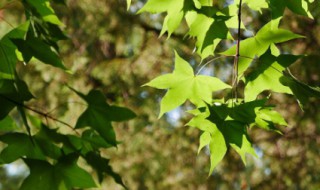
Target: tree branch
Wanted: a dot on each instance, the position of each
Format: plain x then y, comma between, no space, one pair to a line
236,58
45,115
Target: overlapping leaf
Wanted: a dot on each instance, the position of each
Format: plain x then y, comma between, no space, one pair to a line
208,29
12,94
218,149
300,90
19,145
66,174
267,36
267,75
278,7
183,85
35,47
101,165
172,8
7,124
43,9
99,115
257,5
226,125
8,57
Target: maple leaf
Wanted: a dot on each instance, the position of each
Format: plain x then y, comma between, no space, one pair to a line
183,85
267,75
99,115
300,7
256,4
257,45
172,8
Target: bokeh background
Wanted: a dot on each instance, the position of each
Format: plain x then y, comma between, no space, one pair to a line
117,51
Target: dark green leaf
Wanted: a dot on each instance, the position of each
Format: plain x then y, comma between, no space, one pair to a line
102,167
10,97
8,57
7,124
19,145
66,175
99,115
94,139
35,47
297,6
43,9
300,90
42,176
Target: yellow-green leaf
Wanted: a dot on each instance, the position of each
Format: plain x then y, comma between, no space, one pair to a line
183,85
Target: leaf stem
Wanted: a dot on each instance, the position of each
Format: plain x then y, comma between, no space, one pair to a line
210,61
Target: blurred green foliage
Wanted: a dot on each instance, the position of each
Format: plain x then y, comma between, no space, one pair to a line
114,50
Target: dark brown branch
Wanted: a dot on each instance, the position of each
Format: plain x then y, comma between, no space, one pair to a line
236,59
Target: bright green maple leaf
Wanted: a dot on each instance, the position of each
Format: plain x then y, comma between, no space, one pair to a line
225,125
267,75
218,149
201,25
211,137
199,3
199,121
256,4
245,148
183,85
205,139
174,12
268,118
257,45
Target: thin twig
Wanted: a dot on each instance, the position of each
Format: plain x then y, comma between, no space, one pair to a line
62,104
45,115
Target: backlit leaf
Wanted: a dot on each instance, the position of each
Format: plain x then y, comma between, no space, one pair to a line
205,139
268,35
183,85
267,75
256,4
218,149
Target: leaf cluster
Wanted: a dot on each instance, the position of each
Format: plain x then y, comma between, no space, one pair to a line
258,63
52,154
